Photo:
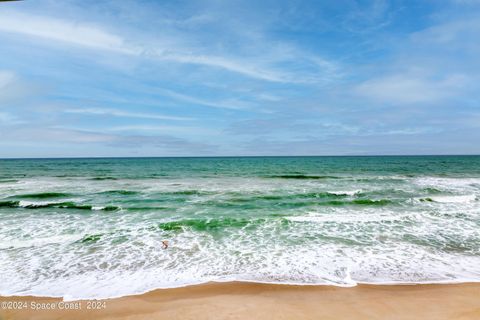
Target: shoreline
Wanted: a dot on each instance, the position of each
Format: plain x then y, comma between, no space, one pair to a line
248,300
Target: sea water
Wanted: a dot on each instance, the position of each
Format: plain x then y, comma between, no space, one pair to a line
93,228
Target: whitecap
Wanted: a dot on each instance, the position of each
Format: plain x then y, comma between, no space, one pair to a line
25,204
454,199
345,193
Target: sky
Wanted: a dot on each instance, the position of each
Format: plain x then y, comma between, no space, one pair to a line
239,78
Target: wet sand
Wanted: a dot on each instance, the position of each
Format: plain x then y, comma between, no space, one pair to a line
263,301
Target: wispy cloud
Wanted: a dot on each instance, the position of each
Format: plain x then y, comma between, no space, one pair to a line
222,104
6,77
94,36
160,143
120,113
193,131
7,119
13,88
69,32
400,89
241,67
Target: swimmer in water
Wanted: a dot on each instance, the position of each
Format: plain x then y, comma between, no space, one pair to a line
164,244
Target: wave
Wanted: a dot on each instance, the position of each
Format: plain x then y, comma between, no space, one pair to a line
9,204
8,180
43,195
345,193
302,176
246,203
106,208
103,178
60,205
242,197
450,199
221,223
38,242
285,201
348,218
120,192
145,208
432,190
446,244
208,224
90,238
305,195
189,193
364,202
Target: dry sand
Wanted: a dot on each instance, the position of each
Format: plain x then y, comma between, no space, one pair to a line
263,301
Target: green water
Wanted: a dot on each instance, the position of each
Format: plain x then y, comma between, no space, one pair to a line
83,228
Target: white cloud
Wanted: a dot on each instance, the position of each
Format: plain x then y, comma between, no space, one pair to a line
8,119
119,113
96,37
230,65
25,133
407,131
410,88
193,131
13,88
434,64
6,77
460,32
64,31
226,104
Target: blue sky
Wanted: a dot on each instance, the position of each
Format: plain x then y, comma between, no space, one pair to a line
206,78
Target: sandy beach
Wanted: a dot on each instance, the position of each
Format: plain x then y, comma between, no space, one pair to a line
263,301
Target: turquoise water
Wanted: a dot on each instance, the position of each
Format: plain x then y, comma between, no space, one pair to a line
92,228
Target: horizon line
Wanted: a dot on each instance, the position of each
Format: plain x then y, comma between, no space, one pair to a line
241,156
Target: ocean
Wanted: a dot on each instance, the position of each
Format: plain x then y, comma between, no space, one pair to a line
93,228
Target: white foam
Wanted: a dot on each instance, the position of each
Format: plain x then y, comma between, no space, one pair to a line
24,204
41,255
38,242
177,267
346,218
345,193
449,184
454,199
